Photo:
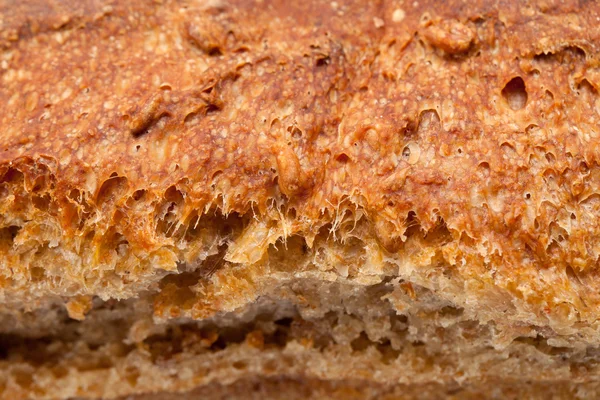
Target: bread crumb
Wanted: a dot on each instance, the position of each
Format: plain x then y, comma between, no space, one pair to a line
398,15
78,306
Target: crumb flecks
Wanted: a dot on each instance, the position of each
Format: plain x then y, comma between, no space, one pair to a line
78,306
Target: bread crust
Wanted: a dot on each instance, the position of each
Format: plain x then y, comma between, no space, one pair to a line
185,158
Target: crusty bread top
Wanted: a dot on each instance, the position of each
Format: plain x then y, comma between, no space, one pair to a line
474,124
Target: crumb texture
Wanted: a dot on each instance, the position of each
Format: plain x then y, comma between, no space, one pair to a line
345,199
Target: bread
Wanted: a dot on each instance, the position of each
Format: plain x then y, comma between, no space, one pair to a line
296,199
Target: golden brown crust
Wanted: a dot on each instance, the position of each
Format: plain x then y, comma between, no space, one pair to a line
175,149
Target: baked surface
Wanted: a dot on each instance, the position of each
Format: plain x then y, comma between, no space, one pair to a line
320,197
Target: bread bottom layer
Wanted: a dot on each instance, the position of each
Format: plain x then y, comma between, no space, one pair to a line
299,388
302,337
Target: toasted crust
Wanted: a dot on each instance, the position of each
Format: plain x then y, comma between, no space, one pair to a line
191,158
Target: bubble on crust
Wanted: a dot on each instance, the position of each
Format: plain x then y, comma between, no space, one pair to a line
147,115
398,15
206,36
428,120
452,37
515,93
411,153
292,179
586,90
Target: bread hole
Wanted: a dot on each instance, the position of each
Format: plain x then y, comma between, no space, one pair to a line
586,90
89,237
215,52
291,213
541,344
192,118
240,365
527,196
227,337
411,127
59,371
429,120
139,194
214,177
439,235
388,353
515,93
121,245
37,274
76,196
13,176
132,375
451,311
295,131
411,153
279,338
179,290
566,55
112,190
361,343
323,61
453,392
42,203
413,226
285,322
168,213
213,263
342,158
8,235
172,194
484,166
399,323
212,108
40,184
584,168
572,276
508,150
532,128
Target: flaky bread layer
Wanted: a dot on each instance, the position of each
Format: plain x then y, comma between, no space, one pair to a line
304,328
